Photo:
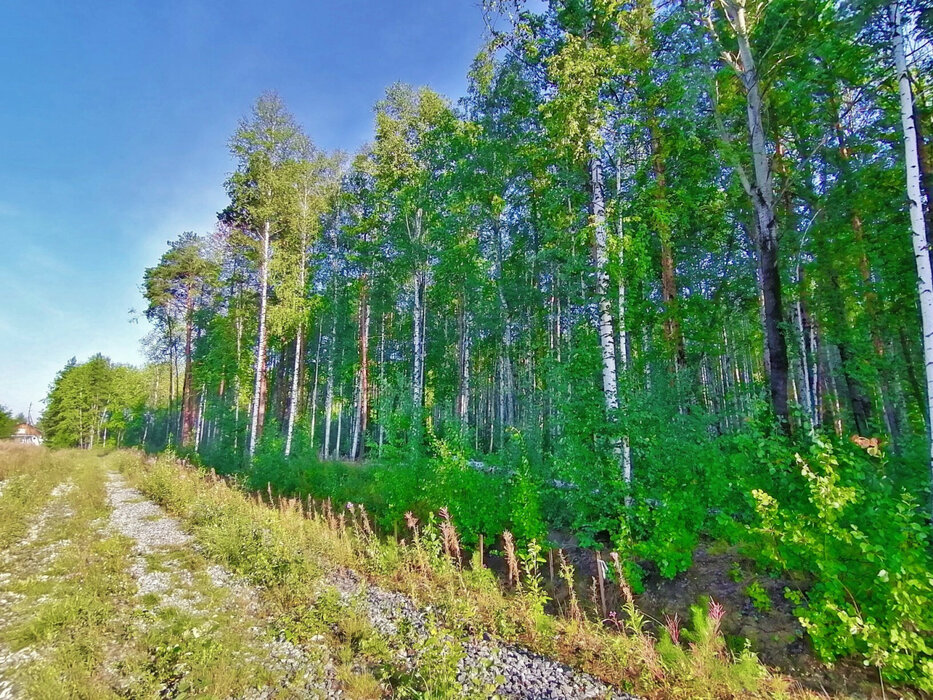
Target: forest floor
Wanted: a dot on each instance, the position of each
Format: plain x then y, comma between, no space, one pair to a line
105,593
767,623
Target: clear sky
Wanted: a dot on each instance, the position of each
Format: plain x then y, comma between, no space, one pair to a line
113,139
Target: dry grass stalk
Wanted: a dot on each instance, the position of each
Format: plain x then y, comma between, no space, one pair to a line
509,545
673,627
449,536
411,521
601,578
717,611
364,521
623,583
329,514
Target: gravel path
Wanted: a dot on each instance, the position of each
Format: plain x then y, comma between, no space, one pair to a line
25,559
513,671
155,533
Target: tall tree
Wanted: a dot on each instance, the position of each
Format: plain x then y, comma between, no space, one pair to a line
267,145
760,190
919,234
174,288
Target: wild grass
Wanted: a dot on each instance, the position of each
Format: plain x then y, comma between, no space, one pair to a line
27,476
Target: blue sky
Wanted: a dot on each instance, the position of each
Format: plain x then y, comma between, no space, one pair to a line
113,136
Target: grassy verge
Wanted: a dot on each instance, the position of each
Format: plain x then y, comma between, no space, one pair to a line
286,548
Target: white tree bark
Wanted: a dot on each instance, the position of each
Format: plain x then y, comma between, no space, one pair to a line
606,339
236,385
463,397
362,394
382,382
293,398
317,366
915,203
623,331
761,193
329,392
339,426
296,369
418,318
261,344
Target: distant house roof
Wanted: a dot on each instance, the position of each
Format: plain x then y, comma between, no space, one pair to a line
26,429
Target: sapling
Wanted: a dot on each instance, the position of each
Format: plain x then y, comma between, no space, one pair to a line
567,575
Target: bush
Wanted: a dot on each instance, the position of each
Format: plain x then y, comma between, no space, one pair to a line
865,546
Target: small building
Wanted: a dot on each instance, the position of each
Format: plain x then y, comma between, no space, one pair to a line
27,434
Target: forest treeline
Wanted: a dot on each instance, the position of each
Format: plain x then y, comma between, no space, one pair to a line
661,275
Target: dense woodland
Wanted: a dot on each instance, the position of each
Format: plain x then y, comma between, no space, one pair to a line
660,278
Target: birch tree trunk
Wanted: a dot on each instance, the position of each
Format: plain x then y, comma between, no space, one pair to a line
293,396
296,369
259,384
339,424
236,385
463,357
418,317
382,382
624,344
317,366
202,409
762,196
806,392
506,376
329,391
362,411
915,203
187,392
606,340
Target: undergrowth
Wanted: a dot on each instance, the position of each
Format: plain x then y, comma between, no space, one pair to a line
282,544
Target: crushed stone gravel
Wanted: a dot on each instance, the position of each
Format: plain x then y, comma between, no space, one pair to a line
21,559
485,663
153,532
513,671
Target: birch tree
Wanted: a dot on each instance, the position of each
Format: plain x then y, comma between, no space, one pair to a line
266,146
583,66
915,205
760,190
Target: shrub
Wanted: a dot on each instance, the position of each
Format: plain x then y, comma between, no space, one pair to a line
865,546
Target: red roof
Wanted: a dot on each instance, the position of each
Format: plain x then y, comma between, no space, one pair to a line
26,429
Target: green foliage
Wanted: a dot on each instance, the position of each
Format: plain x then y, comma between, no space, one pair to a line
93,403
471,228
526,518
7,423
866,547
759,596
